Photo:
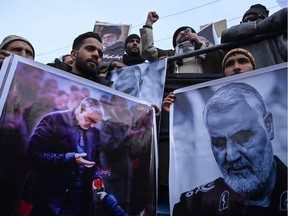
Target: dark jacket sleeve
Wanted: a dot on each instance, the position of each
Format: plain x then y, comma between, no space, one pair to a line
277,22
48,144
111,205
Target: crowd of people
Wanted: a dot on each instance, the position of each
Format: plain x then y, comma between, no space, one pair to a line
44,140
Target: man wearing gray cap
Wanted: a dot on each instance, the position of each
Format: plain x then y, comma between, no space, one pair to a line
14,44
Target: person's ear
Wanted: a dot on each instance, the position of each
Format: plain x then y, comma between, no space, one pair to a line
73,54
268,121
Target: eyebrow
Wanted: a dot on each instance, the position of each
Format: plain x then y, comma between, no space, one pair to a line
242,133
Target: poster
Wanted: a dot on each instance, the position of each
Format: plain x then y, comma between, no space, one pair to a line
36,106
194,150
113,40
145,81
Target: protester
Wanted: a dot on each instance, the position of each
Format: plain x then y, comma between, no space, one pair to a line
87,54
185,39
131,56
14,44
255,23
132,53
253,181
237,61
62,59
67,59
256,13
11,132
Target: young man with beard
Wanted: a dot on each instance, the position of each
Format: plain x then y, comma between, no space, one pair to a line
87,54
132,55
253,182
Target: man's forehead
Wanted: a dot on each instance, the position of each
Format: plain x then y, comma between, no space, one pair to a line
220,121
91,42
238,55
134,39
18,43
181,32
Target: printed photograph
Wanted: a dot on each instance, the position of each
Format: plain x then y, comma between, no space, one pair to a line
72,145
145,81
228,146
113,39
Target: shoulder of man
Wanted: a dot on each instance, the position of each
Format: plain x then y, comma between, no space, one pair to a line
200,190
60,65
211,197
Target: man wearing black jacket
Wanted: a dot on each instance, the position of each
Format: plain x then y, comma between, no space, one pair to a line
87,54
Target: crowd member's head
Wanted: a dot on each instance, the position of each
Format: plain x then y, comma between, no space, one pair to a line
67,59
89,113
180,35
87,53
18,45
256,12
241,130
132,54
132,45
237,61
110,35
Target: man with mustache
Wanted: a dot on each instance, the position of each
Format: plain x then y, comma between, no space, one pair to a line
87,54
253,182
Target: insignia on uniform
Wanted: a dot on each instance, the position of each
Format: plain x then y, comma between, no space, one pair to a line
203,188
224,200
283,202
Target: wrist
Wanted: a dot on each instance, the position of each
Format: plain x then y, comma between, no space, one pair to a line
147,26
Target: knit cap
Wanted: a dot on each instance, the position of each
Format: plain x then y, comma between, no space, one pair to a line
7,40
178,31
130,37
257,9
241,51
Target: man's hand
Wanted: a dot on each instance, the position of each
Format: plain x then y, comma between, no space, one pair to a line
152,17
80,160
3,55
193,38
168,101
116,64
